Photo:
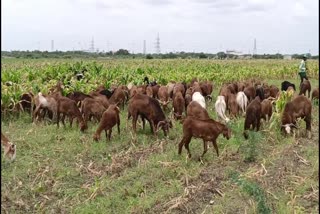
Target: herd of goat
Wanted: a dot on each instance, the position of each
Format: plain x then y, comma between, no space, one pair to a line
251,99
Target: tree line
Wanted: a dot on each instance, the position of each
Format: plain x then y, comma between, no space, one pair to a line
123,53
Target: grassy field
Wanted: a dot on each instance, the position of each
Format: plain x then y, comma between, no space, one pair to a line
65,171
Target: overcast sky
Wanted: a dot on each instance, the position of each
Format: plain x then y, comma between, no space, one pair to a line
287,26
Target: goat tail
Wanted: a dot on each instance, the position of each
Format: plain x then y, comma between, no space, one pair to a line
221,114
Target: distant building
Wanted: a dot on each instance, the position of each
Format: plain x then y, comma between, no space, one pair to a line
233,52
288,57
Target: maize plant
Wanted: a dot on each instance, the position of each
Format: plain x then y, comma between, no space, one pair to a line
19,76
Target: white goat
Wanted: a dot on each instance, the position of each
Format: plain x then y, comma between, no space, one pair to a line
220,107
242,101
199,98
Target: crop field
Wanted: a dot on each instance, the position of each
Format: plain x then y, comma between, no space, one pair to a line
61,170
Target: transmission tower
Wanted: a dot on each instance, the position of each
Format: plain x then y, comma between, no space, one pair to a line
92,45
144,47
158,44
254,47
52,45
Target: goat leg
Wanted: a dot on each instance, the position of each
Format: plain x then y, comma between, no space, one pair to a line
214,143
205,148
181,145
110,131
186,145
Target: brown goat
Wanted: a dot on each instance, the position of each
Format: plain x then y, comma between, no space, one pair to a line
8,147
241,86
207,130
233,105
78,96
207,88
299,107
315,94
266,109
26,101
274,90
148,108
178,105
118,97
250,92
163,97
149,91
304,87
69,108
92,108
195,110
178,87
108,120
253,116
196,87
155,90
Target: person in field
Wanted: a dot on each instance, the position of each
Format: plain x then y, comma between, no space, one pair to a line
303,69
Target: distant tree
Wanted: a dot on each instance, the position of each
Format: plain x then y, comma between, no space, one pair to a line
149,56
202,56
122,52
221,55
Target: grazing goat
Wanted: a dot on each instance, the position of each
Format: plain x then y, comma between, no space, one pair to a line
92,108
148,108
250,92
233,105
178,105
44,102
242,101
266,109
253,116
149,91
155,90
26,101
163,97
170,87
299,107
108,120
196,96
220,107
78,97
241,86
118,97
9,148
304,87
274,91
106,92
207,130
207,88
260,92
69,108
178,87
286,84
195,110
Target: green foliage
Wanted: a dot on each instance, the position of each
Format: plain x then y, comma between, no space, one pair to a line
252,189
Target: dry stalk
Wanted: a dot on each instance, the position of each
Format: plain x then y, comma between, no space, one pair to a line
301,159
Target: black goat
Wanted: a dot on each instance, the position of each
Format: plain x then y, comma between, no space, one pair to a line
286,84
153,83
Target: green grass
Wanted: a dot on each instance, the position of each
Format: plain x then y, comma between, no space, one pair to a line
64,170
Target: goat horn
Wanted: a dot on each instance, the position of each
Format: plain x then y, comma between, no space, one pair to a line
291,124
159,124
159,101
